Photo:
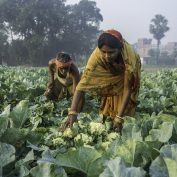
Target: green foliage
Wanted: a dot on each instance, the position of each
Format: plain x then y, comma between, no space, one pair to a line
74,158
7,154
39,29
159,95
31,132
117,168
166,163
47,170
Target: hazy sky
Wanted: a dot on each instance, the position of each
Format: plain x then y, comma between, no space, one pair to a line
133,17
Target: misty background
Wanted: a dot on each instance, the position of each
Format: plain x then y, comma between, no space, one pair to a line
32,32
132,18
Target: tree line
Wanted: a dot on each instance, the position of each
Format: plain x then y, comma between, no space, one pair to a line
33,31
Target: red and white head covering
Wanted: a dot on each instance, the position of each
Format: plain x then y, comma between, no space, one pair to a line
115,33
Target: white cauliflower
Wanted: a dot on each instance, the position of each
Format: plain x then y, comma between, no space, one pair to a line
58,134
69,133
105,145
58,141
97,128
83,139
81,124
112,136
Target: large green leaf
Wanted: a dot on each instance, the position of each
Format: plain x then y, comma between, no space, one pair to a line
96,167
79,159
19,114
127,151
169,151
28,158
117,168
171,166
174,134
134,153
166,164
146,126
7,154
162,134
163,167
131,131
14,136
166,117
158,168
23,171
47,170
4,120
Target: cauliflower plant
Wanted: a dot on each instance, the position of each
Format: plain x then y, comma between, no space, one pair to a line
97,128
105,145
83,139
112,136
58,141
82,125
69,133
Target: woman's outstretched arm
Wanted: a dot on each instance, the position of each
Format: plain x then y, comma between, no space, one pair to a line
77,104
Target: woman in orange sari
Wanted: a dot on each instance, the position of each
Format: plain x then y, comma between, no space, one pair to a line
64,77
113,72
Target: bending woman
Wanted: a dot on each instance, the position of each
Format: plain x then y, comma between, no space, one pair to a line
113,72
64,77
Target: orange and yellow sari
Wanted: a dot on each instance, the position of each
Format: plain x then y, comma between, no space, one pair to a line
99,78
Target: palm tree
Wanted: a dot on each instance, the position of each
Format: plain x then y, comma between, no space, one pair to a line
158,27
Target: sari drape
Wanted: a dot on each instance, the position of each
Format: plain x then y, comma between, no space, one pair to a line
99,78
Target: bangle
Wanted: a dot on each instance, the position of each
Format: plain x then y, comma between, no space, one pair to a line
119,117
72,113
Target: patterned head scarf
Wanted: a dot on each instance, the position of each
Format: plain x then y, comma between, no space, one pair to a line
111,38
115,33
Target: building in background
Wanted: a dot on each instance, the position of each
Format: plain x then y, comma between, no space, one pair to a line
170,47
144,45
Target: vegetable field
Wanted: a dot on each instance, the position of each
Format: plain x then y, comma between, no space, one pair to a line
33,145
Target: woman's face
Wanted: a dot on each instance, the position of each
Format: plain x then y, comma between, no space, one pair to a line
109,54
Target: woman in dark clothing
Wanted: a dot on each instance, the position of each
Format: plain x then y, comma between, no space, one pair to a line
64,77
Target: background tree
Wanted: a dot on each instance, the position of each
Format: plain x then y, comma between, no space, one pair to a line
42,28
165,58
4,45
83,22
158,28
173,56
152,56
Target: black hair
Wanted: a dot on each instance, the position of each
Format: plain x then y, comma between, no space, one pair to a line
109,40
64,57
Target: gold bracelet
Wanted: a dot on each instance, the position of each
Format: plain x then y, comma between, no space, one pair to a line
72,113
119,117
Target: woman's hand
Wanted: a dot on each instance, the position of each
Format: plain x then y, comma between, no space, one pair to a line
69,122
117,124
117,127
72,114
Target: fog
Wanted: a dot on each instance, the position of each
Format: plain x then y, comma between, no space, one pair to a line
132,18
